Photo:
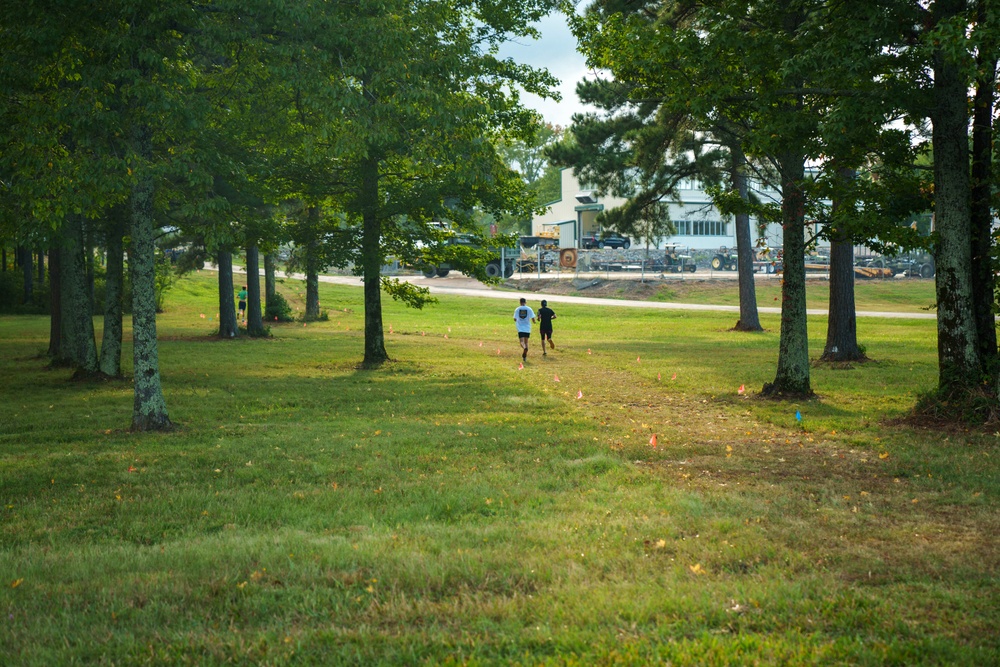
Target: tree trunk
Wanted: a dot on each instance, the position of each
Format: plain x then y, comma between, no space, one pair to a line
792,377
111,340
77,313
983,278
228,326
312,269
27,269
958,342
842,324
749,318
270,286
371,262
255,323
55,305
149,411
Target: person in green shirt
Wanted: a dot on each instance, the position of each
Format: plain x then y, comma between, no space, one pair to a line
242,296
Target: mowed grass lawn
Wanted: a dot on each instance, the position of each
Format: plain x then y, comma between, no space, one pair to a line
452,508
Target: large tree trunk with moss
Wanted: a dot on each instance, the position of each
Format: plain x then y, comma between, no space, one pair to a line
228,326
111,340
792,377
371,262
958,342
55,305
983,277
77,310
149,411
255,324
749,318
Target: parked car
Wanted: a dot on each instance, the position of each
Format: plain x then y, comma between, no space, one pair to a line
606,240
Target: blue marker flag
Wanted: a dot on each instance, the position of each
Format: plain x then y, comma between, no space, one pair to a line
798,416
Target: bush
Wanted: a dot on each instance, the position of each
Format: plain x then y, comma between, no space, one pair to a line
12,295
277,309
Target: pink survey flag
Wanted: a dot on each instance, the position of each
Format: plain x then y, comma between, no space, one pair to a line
557,378
498,351
741,389
674,376
520,367
446,335
203,316
480,343
637,360
579,394
657,376
588,350
422,333
652,441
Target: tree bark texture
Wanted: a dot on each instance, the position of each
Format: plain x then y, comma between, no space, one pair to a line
255,323
371,259
983,277
228,326
958,342
111,340
749,317
55,305
149,410
77,311
792,377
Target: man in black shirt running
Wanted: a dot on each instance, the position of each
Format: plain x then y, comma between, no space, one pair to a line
545,317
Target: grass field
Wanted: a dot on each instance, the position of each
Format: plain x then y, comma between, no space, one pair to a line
452,508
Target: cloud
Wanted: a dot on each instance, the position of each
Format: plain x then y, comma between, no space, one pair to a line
556,52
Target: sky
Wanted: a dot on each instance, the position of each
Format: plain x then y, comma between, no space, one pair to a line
556,52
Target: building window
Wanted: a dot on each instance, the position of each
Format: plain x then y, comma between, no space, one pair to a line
701,227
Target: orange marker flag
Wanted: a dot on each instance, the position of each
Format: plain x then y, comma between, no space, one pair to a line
588,350
520,367
203,316
741,389
657,376
652,441
637,360
674,376
557,378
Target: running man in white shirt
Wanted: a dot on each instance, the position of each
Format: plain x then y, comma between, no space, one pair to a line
523,317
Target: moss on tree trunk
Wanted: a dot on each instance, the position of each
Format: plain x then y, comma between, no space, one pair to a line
149,410
792,376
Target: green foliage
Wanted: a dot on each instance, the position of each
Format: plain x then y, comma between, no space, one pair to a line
277,309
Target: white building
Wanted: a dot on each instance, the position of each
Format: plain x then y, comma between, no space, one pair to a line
700,226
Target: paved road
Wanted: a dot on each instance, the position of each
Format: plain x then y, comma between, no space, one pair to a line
462,286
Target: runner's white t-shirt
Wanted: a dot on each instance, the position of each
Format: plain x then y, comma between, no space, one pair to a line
522,318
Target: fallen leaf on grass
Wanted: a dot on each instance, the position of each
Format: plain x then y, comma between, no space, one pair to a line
883,455
697,569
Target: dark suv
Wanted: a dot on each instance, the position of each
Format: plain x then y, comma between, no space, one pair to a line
606,240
